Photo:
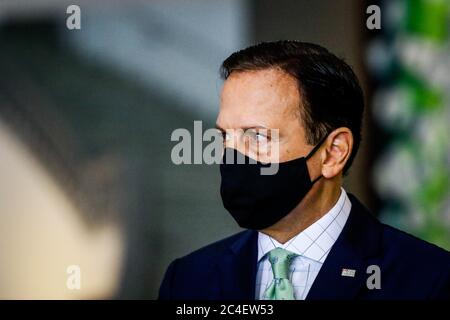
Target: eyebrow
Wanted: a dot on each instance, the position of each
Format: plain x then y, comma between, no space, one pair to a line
243,128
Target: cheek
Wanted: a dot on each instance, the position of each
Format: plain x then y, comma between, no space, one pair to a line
292,145
287,152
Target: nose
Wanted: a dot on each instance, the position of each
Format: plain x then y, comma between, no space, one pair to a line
231,139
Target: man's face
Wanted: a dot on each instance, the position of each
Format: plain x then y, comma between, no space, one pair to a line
253,103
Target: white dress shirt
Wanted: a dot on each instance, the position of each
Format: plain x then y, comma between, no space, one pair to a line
312,246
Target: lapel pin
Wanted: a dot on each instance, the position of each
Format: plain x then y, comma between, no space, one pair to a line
348,272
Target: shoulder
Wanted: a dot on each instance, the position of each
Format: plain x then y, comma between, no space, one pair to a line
414,251
183,273
208,254
411,267
397,244
422,269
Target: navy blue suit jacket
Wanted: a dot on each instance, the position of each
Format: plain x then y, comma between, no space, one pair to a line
410,268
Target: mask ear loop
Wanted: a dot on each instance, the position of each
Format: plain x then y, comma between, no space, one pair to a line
316,179
311,153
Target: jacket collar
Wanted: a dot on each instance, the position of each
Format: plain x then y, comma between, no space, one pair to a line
237,268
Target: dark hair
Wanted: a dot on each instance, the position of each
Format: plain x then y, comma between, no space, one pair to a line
329,89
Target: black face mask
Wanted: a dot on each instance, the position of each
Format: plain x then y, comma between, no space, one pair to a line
258,201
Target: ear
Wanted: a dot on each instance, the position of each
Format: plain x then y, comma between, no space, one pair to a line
338,147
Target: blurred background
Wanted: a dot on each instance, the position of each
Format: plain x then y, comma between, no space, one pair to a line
86,117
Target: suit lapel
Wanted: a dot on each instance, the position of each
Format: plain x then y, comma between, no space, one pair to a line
358,241
237,268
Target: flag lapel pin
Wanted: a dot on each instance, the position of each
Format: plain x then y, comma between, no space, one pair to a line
348,272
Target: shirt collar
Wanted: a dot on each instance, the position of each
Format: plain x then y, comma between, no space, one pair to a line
315,241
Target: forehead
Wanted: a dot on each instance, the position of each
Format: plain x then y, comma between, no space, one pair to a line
266,96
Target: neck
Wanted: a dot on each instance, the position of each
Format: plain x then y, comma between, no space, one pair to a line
319,200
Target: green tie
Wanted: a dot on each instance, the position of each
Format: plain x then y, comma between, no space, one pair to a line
280,288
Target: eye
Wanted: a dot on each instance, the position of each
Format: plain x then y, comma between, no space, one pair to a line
256,137
261,137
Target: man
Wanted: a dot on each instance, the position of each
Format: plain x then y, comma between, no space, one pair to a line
307,238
